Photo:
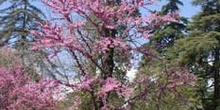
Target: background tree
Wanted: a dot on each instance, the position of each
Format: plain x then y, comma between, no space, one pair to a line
199,51
17,17
165,35
160,64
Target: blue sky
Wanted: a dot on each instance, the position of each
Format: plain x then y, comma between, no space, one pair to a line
187,10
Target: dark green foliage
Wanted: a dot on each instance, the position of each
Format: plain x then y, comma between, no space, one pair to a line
200,51
166,34
164,37
161,46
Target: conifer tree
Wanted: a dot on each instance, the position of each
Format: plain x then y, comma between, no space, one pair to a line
160,63
17,17
200,51
164,36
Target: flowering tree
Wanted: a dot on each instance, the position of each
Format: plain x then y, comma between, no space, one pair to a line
102,88
19,92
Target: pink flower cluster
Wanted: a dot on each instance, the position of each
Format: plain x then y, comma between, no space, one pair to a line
53,36
112,84
87,83
18,91
106,43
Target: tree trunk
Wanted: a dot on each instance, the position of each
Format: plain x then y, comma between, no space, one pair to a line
216,79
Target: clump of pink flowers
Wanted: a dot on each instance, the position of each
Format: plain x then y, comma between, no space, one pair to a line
19,92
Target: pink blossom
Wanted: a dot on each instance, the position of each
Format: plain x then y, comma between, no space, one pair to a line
87,83
111,84
18,91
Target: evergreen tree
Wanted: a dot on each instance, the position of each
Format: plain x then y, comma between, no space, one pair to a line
17,17
159,66
164,36
200,51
